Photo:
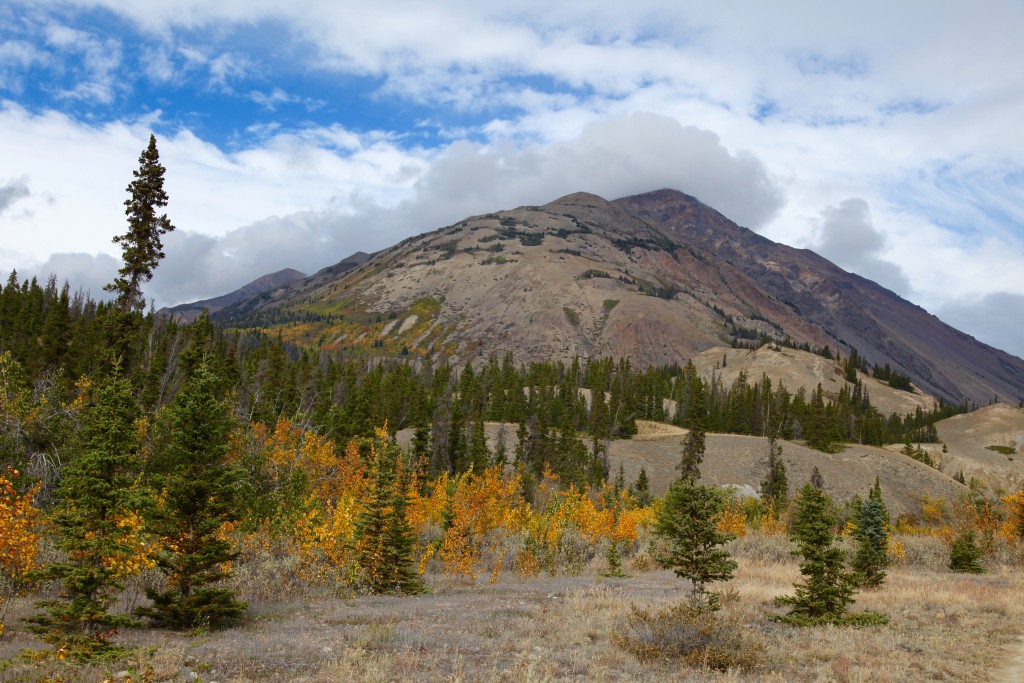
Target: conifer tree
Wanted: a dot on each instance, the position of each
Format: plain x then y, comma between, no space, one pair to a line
479,453
642,489
817,480
687,520
827,589
198,495
694,442
141,246
383,538
965,555
872,537
775,487
96,497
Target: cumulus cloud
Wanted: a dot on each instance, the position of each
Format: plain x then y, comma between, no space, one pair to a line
994,319
614,158
526,100
847,237
12,191
87,272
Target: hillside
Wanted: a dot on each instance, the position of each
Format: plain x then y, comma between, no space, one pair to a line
658,278
987,444
739,461
268,283
794,368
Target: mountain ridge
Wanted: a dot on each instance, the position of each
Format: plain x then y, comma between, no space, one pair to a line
657,277
188,312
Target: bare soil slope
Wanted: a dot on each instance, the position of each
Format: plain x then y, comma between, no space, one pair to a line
794,369
968,438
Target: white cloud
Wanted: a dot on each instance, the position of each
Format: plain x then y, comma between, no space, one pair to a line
917,116
847,237
87,272
99,61
16,56
80,173
613,158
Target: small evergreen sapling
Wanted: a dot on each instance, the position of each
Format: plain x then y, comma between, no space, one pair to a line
827,589
642,489
687,520
383,539
965,555
872,535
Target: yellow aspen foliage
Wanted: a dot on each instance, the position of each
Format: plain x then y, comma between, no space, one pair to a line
933,510
139,555
774,523
1012,528
20,523
895,549
733,519
981,516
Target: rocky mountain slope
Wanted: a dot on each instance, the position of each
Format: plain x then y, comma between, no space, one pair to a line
659,278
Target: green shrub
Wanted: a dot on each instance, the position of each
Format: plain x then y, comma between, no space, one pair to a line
965,555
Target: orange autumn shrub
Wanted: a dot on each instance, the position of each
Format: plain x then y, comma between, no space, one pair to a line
733,519
1012,528
20,523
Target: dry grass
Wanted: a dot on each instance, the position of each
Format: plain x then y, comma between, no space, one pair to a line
944,627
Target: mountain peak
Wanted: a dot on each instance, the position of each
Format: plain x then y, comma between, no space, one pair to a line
578,199
657,277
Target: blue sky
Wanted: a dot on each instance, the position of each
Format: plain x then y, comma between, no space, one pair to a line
886,136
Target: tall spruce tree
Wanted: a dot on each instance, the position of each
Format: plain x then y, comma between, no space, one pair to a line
775,487
141,245
198,495
694,443
97,497
687,521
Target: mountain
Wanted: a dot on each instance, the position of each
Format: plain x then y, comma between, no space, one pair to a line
190,311
657,277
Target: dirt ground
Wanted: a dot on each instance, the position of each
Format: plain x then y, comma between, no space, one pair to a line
945,627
